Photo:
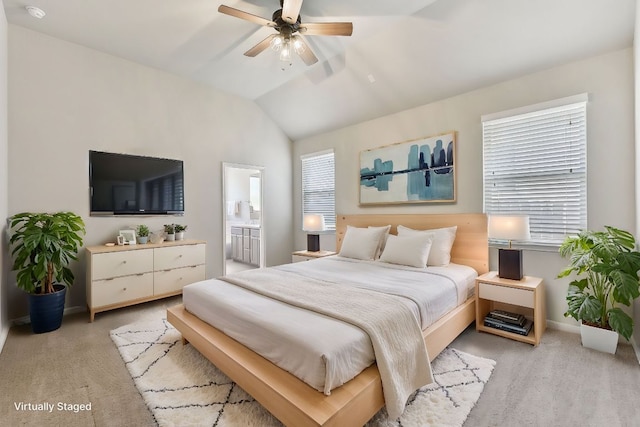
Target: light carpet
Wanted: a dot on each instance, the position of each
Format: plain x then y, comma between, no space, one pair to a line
182,388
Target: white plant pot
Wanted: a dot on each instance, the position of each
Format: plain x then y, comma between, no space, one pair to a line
180,235
599,339
171,237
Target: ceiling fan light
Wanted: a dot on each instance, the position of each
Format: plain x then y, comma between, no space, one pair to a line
276,43
298,45
285,53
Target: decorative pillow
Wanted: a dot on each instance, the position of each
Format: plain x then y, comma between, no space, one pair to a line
442,241
412,250
383,238
361,243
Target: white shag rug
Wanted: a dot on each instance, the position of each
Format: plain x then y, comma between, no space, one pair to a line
182,388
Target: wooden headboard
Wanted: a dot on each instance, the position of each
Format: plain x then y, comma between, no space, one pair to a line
471,246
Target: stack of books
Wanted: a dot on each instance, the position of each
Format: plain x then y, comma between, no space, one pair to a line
510,322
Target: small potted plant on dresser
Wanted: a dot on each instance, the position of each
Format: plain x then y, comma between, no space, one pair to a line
606,265
43,245
143,234
170,232
180,229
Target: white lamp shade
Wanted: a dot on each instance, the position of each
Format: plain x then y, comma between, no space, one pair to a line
313,222
513,227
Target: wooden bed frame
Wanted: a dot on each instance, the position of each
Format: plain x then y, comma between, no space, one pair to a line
294,402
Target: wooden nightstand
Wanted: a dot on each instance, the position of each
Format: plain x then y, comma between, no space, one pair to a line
524,296
308,255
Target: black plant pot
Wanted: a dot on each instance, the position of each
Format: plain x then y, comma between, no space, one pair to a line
46,310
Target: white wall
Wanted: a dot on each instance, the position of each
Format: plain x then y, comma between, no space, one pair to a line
65,99
636,57
609,81
4,186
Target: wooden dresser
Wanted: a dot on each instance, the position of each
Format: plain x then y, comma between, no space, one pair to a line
119,276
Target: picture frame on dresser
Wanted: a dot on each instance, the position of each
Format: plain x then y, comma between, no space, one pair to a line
129,236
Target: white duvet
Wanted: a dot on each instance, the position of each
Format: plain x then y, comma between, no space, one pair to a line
324,352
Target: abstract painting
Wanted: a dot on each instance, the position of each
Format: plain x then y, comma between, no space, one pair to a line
417,171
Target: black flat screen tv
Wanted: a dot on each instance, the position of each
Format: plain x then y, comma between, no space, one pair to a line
124,184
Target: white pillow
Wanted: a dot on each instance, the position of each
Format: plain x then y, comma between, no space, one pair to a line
361,243
383,238
442,241
412,250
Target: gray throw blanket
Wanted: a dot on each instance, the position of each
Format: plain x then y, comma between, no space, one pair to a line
399,347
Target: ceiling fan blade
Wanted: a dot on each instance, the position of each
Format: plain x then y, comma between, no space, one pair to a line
307,54
260,46
291,10
246,16
327,28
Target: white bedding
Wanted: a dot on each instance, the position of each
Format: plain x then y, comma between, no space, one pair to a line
321,351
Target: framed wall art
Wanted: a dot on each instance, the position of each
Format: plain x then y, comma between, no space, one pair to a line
416,171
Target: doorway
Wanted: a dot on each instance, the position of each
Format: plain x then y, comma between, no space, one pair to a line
242,190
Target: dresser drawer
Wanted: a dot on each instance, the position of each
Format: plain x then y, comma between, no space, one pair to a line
121,289
521,297
116,264
174,280
179,256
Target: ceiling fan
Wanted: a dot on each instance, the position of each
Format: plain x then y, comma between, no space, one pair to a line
286,21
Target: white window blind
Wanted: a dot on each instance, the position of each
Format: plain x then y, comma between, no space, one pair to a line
318,186
535,164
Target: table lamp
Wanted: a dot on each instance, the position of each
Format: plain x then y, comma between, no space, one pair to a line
313,222
514,227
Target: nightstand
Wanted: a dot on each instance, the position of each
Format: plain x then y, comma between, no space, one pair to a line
308,255
524,296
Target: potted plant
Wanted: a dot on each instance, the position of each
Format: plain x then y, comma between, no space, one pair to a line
43,246
143,233
606,265
180,231
170,231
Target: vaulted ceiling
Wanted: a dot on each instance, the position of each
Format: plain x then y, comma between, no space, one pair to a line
402,53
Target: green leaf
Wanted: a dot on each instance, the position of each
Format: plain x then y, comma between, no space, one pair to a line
625,287
620,322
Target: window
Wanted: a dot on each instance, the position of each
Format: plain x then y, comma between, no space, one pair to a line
535,164
318,186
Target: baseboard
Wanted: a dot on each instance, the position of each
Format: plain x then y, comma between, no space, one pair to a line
4,333
636,349
565,327
25,319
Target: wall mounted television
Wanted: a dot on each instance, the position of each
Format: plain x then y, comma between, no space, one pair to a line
124,184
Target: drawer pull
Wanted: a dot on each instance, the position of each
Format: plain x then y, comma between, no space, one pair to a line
124,261
124,289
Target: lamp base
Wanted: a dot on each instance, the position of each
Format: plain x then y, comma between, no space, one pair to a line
510,264
313,242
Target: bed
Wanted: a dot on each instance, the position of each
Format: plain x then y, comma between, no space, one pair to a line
295,402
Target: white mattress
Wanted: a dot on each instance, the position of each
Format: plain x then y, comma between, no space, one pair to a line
324,352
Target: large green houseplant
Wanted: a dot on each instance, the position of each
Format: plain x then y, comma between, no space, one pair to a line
606,265
43,245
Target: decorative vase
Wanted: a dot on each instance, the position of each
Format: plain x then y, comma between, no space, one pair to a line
171,237
180,235
143,239
600,339
46,310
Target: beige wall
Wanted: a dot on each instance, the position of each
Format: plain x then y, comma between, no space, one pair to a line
609,81
65,100
4,254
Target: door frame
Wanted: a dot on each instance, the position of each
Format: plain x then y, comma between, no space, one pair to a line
260,169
